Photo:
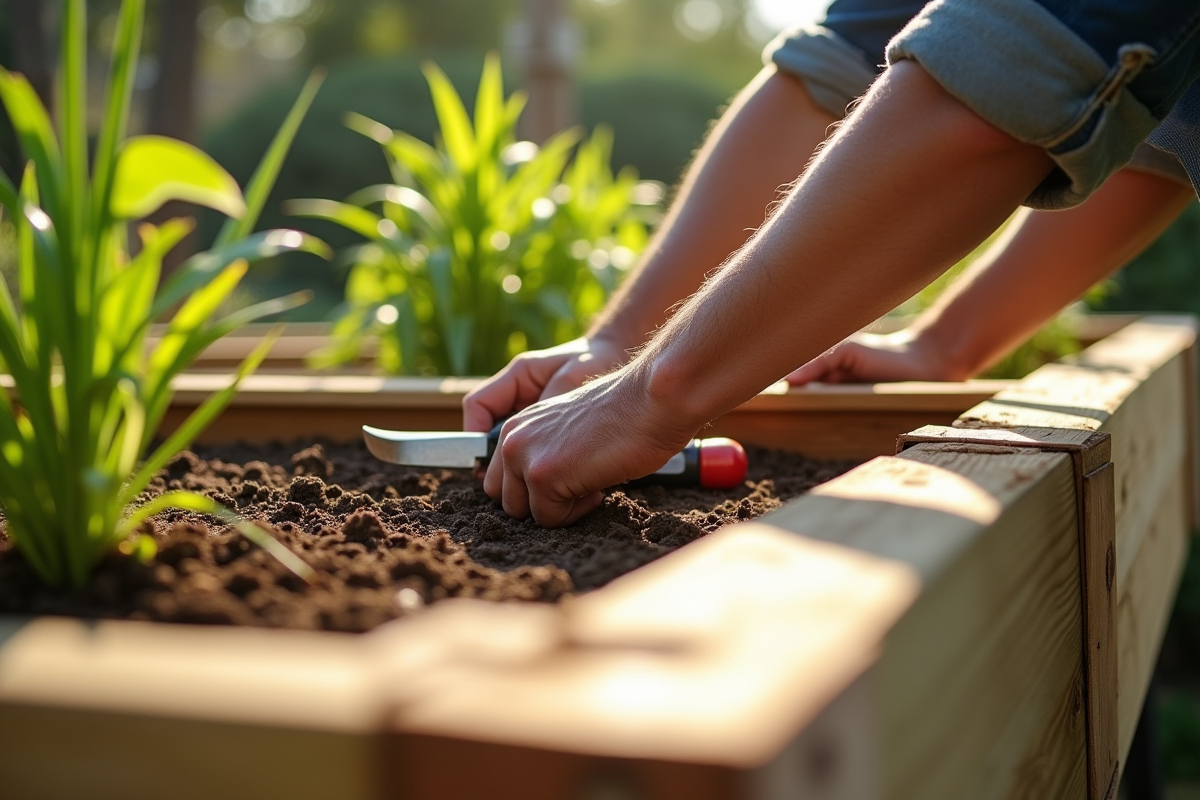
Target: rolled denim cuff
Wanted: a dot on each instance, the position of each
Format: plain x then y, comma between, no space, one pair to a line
835,72
1024,71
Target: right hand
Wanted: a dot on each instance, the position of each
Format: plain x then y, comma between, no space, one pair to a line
877,358
539,374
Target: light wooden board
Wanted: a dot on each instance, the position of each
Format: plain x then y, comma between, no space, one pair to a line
980,684
719,653
147,711
821,421
1135,385
1145,595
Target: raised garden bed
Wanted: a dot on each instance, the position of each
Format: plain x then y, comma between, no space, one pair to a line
930,624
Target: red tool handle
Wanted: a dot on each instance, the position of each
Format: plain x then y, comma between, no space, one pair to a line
722,463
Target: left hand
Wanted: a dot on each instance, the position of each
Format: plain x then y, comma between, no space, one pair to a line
876,358
554,458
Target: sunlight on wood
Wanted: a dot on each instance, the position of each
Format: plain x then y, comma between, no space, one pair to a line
916,486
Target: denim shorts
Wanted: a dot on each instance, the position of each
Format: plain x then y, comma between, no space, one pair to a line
1088,80
839,58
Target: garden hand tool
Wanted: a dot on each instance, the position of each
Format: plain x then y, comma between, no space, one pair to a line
708,463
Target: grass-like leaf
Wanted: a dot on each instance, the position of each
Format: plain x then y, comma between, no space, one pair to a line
87,395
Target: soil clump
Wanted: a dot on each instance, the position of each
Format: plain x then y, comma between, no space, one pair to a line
385,540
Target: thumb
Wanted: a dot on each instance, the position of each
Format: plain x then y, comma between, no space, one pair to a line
821,367
565,380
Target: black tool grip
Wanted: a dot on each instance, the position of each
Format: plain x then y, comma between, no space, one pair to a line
493,439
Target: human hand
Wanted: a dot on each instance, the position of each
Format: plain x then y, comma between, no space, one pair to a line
871,357
554,458
537,375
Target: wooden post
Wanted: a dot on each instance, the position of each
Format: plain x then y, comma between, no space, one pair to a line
546,42
173,102
1096,500
27,20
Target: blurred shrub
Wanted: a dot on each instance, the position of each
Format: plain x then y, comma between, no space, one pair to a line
1179,734
482,246
657,121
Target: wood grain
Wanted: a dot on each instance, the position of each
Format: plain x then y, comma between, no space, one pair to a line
980,684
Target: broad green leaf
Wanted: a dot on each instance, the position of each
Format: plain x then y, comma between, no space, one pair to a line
152,170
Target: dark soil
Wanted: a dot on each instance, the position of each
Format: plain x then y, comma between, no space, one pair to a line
385,540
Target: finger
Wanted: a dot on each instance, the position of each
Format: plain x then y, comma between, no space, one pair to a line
511,389
489,401
515,494
581,507
816,370
565,380
493,478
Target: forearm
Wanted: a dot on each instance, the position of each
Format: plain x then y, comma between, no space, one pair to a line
1047,260
761,143
894,200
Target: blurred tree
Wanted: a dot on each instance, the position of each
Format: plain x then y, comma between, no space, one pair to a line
24,47
27,20
338,29
173,100
708,40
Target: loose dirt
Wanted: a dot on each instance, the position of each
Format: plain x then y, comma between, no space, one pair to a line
385,540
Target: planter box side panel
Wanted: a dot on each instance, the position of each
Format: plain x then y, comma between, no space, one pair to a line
980,683
51,753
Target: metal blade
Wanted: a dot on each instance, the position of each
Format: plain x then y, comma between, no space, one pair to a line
426,448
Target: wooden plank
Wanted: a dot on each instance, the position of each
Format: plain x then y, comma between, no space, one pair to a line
1136,386
1098,564
1145,595
356,389
719,653
980,683
193,711
51,753
1094,489
835,757
831,422
421,767
300,339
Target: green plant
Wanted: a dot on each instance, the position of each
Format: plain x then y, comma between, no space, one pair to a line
483,245
88,392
